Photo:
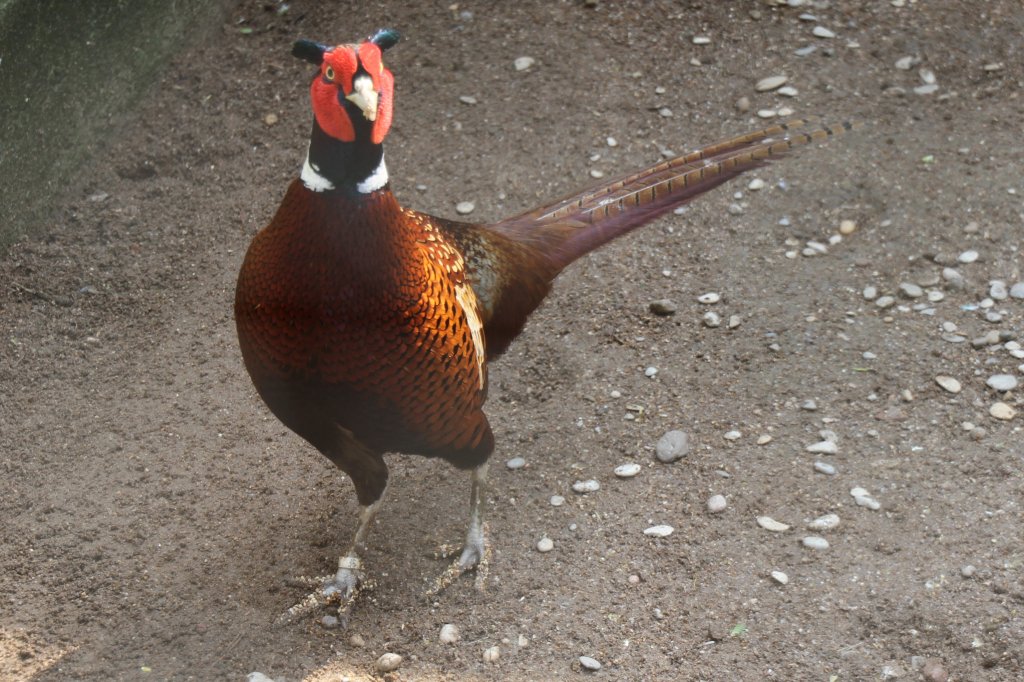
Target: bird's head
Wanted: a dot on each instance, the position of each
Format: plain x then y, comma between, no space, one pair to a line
352,94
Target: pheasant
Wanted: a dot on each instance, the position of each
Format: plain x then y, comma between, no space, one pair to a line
367,327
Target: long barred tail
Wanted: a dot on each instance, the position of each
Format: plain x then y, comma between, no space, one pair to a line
579,223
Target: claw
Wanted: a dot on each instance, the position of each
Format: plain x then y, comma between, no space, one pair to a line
341,589
475,556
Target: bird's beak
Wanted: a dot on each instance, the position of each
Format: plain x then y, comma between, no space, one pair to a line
364,96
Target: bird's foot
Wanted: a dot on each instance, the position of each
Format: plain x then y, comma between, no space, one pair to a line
476,554
339,590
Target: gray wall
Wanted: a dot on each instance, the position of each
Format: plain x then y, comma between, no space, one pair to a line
69,69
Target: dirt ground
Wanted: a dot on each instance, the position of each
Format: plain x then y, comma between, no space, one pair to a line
153,510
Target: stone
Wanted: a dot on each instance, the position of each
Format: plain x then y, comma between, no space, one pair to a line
672,446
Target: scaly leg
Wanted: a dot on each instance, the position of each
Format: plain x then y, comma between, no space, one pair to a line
343,587
475,551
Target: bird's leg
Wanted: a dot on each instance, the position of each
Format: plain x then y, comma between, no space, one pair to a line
342,587
475,551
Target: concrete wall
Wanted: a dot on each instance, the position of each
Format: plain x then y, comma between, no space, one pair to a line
69,69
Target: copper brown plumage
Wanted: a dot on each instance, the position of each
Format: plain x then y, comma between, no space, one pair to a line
367,327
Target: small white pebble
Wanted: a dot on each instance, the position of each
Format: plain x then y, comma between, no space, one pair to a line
948,383
826,522
968,256
1001,410
780,577
756,184
523,63
764,440
717,504
464,207
847,227
815,542
770,524
701,40
825,468
515,463
732,435
822,32
709,298
588,486
589,663
556,500
492,654
449,633
711,319
627,470
770,83
660,531
388,662
825,447
545,545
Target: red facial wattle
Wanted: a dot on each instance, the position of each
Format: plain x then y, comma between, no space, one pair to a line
335,83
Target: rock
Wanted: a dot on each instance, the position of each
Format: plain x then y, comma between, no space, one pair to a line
780,577
770,83
997,290
732,435
968,571
672,446
1002,411
968,256
847,227
870,293
545,545
523,63
1017,290
911,290
464,207
826,522
388,662
948,383
515,463
825,468
450,634
357,641
822,32
770,524
663,307
954,278
1002,382
815,542
825,447
557,500
627,470
588,663
660,531
710,298
711,319
492,654
257,677
884,301
717,504
584,487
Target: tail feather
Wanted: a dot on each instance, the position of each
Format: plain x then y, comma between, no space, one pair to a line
579,223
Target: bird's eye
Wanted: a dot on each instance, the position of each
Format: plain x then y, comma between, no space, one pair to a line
329,73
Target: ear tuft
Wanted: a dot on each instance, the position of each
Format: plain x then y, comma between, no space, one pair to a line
309,51
385,38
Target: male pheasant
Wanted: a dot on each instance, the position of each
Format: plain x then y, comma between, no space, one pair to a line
367,327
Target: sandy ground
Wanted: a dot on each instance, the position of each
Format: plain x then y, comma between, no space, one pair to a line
153,510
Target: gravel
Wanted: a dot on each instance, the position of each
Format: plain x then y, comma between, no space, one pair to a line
825,447
826,522
545,545
627,470
584,487
515,463
588,663
948,384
